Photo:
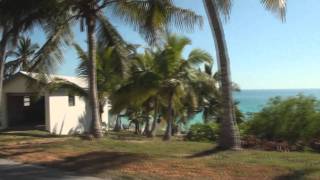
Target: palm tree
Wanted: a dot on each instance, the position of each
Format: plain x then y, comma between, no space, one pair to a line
229,137
167,78
210,98
178,75
23,55
18,17
143,63
149,17
111,71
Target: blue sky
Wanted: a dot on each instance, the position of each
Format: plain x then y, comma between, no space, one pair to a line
264,52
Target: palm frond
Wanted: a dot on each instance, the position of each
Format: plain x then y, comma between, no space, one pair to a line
82,69
199,56
224,7
276,6
61,84
108,35
11,67
51,54
152,18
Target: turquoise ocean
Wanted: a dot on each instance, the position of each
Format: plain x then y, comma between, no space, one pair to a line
251,101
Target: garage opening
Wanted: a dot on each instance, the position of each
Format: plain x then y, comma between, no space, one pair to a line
26,111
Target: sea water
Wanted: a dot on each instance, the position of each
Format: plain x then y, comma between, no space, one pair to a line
252,101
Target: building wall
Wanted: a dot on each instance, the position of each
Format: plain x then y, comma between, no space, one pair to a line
19,85
65,119
61,119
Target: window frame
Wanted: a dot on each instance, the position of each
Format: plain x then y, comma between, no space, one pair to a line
71,100
26,101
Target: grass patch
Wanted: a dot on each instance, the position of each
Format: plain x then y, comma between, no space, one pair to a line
127,156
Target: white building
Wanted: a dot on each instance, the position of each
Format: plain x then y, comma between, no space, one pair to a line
59,112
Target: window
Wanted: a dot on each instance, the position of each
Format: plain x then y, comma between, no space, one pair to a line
26,101
72,100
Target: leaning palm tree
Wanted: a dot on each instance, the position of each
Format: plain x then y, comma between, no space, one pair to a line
229,137
23,56
149,17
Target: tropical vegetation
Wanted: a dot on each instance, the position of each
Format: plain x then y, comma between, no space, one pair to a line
159,88
17,20
203,132
150,18
22,58
139,85
294,119
164,77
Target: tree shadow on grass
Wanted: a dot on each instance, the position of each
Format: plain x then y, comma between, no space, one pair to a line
86,164
27,133
93,163
11,151
18,153
297,174
25,172
126,135
205,153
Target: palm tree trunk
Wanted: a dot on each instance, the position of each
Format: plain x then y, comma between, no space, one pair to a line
101,110
168,133
117,126
3,46
1,76
137,127
205,116
93,91
229,137
154,127
146,130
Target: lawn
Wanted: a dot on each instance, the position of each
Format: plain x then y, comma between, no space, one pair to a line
125,156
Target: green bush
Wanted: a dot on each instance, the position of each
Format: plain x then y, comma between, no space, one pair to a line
292,119
203,132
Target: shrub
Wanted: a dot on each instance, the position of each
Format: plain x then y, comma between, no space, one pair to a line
203,132
292,119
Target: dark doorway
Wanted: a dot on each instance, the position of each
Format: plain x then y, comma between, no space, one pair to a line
26,111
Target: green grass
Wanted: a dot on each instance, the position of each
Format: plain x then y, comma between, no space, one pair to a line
114,154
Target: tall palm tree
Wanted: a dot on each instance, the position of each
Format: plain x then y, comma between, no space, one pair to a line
229,137
23,56
149,17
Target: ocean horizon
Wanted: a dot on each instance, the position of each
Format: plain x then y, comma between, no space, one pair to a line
253,100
